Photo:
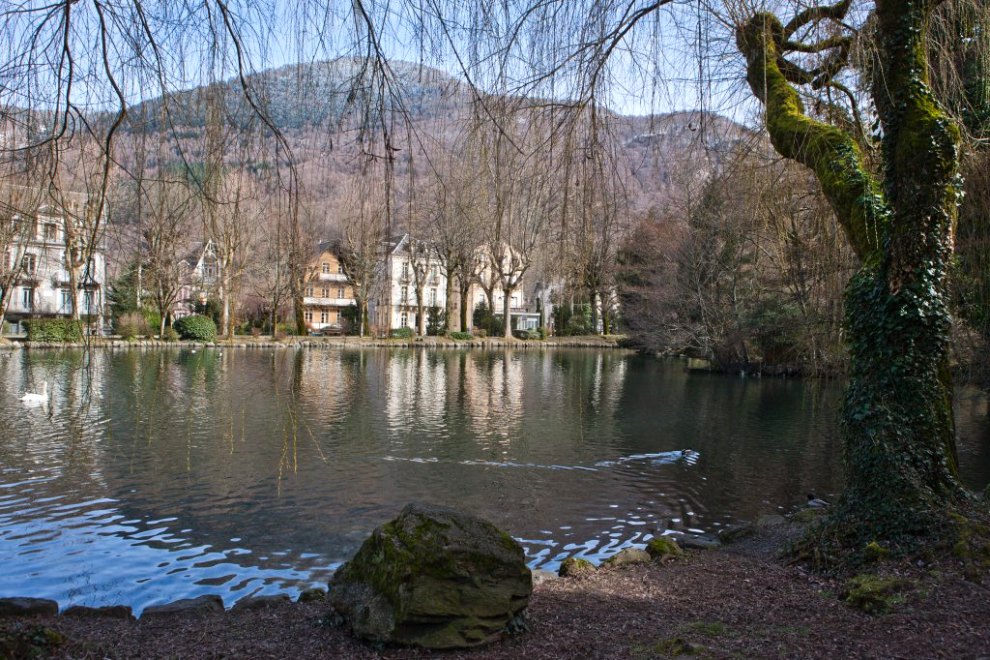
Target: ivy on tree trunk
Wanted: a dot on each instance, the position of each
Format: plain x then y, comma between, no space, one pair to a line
897,419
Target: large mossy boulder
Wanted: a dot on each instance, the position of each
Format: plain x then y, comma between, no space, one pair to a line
434,577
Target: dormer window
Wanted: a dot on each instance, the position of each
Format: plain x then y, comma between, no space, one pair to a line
51,231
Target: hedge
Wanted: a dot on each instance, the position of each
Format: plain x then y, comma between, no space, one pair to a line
460,336
401,333
196,327
55,330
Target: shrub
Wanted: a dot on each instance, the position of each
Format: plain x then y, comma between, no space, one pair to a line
57,330
401,333
485,319
460,336
132,324
197,327
170,334
436,322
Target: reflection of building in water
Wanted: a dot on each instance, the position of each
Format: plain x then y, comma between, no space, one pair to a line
493,394
416,391
607,380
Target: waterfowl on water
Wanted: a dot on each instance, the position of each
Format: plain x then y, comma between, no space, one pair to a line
816,503
33,398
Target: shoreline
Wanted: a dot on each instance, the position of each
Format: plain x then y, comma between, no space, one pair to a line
324,343
735,601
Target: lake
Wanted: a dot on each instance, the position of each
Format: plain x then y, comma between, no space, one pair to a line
165,474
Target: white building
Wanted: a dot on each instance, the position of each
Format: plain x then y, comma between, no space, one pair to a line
34,265
200,279
486,277
408,265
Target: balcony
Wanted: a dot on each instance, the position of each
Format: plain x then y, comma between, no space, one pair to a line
313,301
332,277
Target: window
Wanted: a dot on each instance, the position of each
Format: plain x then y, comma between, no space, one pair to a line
340,268
308,315
403,320
309,291
87,301
51,231
340,292
66,306
326,266
27,298
325,292
29,263
435,271
404,296
338,316
433,297
323,316
405,270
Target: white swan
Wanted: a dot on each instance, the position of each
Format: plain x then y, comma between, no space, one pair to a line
35,399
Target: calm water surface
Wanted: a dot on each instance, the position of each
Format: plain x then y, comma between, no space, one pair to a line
153,476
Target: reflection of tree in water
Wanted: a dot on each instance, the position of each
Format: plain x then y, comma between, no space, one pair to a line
493,397
763,443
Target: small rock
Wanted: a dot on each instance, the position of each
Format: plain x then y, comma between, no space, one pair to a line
875,594
809,515
663,547
539,577
259,602
108,611
28,607
771,520
629,556
700,541
731,533
575,567
200,605
312,595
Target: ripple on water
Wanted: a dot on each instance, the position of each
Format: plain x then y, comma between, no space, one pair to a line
261,472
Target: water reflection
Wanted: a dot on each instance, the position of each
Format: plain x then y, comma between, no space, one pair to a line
167,474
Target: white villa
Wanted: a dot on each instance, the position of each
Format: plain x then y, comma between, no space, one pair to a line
34,265
201,271
408,264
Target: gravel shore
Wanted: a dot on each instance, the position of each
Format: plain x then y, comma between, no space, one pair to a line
738,601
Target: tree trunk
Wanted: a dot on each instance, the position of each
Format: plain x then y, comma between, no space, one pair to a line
420,317
897,419
448,316
594,310
507,312
465,312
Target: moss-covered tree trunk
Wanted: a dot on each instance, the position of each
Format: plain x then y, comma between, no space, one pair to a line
897,420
